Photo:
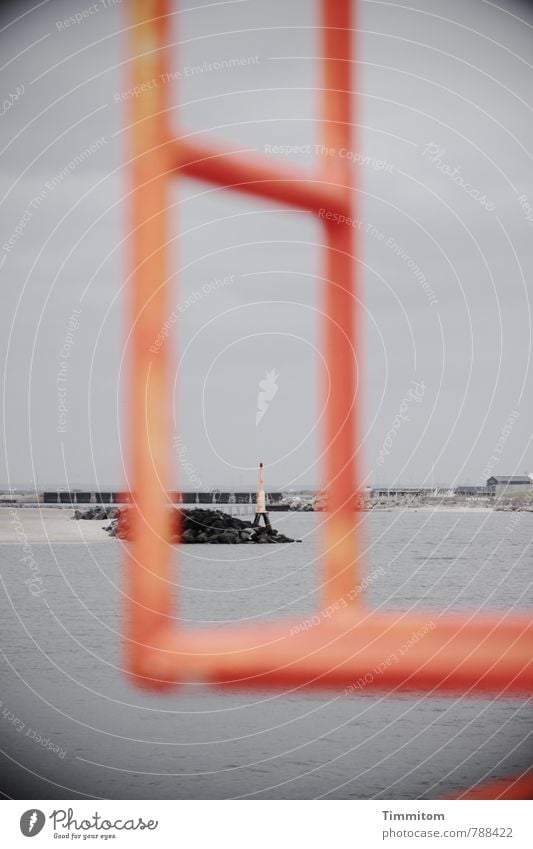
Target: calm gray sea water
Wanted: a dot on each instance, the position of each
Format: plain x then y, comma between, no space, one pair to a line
61,681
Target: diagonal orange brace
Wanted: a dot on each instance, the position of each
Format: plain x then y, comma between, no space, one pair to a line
257,176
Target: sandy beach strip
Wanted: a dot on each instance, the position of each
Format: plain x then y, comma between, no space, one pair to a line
21,525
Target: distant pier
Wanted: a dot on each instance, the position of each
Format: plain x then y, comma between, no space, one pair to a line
75,497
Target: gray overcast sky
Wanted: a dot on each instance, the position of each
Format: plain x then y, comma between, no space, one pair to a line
440,84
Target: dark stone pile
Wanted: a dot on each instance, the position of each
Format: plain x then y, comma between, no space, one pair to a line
208,527
98,512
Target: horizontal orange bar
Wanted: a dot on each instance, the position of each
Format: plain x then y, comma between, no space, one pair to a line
254,175
503,788
479,653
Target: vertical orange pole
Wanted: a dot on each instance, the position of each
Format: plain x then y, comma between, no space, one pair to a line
149,554
340,535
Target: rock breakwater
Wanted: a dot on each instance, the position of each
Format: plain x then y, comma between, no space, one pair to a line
197,526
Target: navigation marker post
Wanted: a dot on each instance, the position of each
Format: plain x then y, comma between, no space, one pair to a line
260,503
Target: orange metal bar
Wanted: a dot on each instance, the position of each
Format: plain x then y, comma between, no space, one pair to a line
340,292
148,555
481,654
504,788
254,175
354,648
474,653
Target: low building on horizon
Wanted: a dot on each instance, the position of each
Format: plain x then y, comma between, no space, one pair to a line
509,484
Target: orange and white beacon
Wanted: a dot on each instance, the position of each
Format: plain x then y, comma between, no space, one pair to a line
260,502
